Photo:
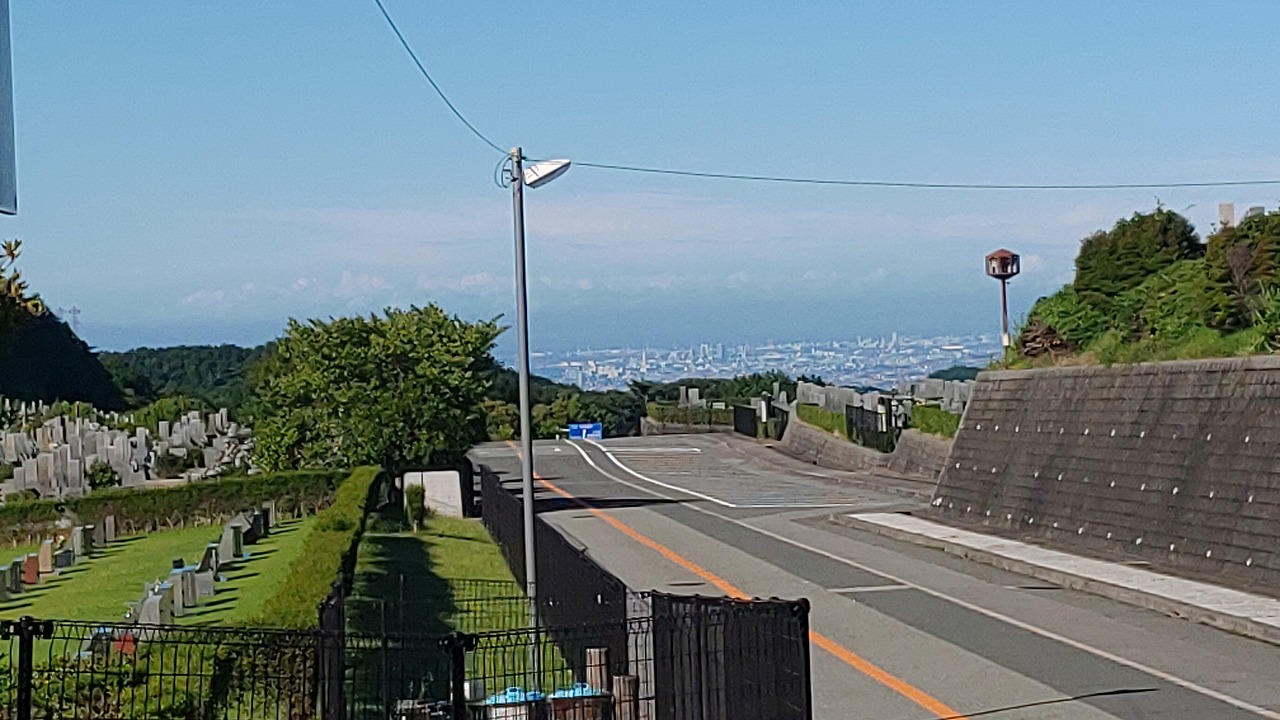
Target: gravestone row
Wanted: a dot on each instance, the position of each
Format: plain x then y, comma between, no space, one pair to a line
188,584
54,556
54,459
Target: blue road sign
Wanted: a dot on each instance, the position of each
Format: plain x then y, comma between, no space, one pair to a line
586,431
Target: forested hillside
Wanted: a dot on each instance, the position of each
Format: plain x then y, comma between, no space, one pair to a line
218,375
1150,289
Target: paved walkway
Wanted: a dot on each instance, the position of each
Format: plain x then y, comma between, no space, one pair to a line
1240,612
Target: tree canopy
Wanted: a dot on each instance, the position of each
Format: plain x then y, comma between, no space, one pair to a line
398,389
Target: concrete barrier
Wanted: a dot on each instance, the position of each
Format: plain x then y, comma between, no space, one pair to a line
1174,463
649,426
918,453
815,445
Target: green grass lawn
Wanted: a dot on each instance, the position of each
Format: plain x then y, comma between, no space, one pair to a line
101,587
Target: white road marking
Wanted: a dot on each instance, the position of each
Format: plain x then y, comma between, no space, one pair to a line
868,588
1048,634
608,452
643,450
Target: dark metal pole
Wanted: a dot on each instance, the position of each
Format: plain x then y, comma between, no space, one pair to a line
526,411
26,648
1004,313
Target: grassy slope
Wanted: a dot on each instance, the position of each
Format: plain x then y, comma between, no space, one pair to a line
101,587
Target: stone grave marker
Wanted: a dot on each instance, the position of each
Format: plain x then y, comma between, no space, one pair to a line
13,576
187,582
165,592
175,583
64,558
209,562
77,541
204,583
109,528
4,586
269,507
99,536
31,570
237,541
257,529
149,610
44,558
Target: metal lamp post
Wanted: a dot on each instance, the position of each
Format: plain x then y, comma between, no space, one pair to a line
534,176
1002,265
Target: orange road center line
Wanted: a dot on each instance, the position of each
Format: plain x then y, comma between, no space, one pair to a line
841,653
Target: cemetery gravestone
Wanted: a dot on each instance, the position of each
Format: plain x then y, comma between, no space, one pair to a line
109,528
14,576
64,558
31,570
165,593
226,544
190,592
175,584
99,536
209,562
257,529
45,558
237,541
269,507
77,541
87,534
204,583
149,611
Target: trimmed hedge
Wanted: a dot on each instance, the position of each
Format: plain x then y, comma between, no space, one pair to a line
328,553
823,418
205,502
934,420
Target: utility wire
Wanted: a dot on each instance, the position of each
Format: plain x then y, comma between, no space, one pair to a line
817,181
422,69
933,185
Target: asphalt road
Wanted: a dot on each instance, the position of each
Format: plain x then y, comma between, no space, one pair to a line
899,631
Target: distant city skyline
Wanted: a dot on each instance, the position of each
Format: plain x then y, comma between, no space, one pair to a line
876,361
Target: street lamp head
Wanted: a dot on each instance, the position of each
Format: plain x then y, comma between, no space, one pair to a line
541,173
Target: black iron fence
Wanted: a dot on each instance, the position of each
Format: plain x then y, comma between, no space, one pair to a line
876,427
691,659
694,658
746,420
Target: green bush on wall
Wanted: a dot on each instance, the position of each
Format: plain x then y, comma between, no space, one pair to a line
823,418
934,420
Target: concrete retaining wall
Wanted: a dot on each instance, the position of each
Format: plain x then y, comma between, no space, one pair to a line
649,426
815,445
921,454
1177,463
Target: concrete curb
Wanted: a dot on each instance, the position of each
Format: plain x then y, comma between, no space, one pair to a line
1231,623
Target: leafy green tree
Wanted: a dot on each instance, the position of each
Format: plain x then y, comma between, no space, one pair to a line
1241,263
1109,263
101,475
217,375
393,390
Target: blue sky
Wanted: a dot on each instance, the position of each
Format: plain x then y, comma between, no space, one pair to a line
199,172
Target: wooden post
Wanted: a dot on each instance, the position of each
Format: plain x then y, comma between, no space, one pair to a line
626,697
598,668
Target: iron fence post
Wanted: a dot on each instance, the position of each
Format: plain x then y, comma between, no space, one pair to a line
27,629
458,644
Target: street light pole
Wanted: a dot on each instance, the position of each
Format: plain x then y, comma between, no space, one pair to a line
526,412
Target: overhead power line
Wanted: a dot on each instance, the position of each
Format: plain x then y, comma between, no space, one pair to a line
818,181
422,69
924,185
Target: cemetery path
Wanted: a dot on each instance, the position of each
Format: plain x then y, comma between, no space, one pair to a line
900,631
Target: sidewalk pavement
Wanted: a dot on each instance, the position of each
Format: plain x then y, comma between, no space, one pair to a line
1239,612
